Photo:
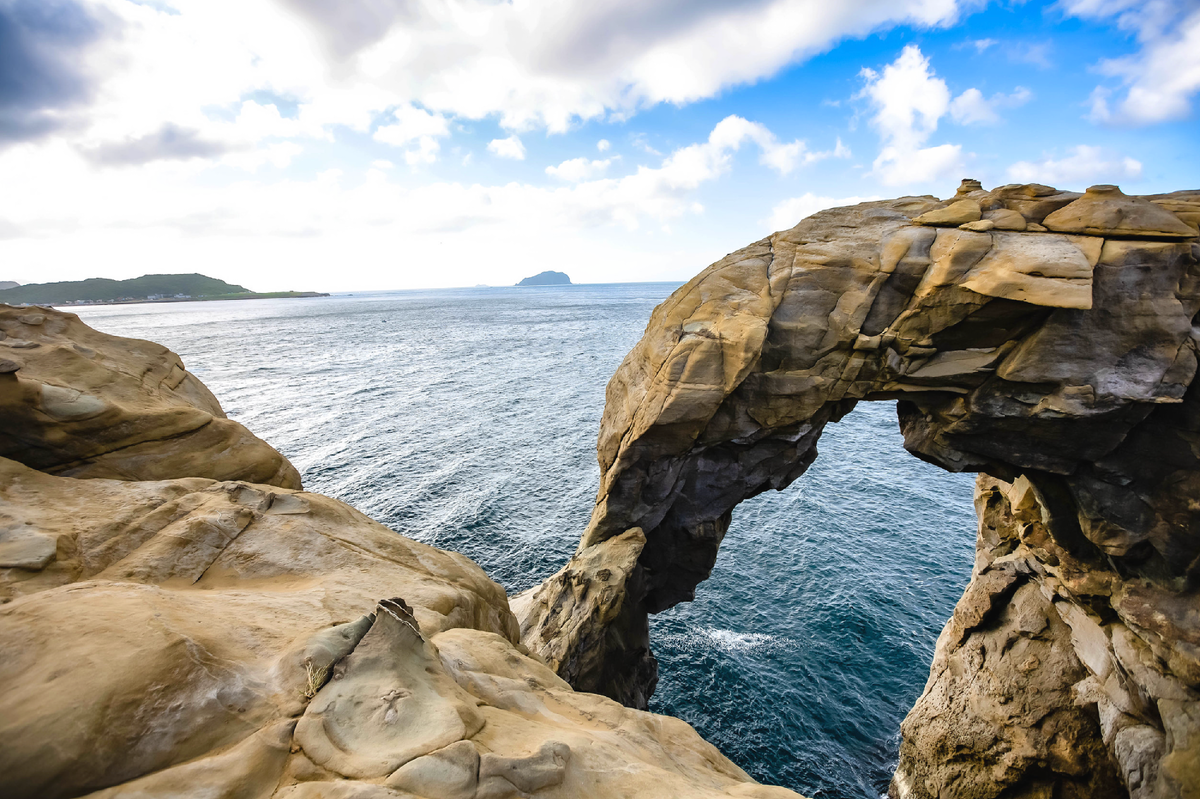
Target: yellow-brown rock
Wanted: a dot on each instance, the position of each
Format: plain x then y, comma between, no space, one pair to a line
1060,358
77,402
1106,211
959,212
199,638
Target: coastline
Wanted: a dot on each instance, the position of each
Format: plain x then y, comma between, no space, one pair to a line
271,295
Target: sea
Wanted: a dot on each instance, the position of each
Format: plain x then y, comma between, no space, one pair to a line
467,419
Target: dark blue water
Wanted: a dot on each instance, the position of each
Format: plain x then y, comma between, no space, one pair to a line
467,418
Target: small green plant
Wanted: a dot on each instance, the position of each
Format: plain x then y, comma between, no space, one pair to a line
314,678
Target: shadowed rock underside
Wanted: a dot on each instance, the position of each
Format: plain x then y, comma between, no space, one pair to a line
1042,338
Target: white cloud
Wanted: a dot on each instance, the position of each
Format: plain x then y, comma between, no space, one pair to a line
972,108
909,100
786,214
982,45
305,222
508,148
731,132
417,125
412,123
578,169
426,152
1083,165
529,64
1160,80
312,222
603,145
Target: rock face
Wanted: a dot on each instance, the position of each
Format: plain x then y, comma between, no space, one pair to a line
1043,338
195,637
77,402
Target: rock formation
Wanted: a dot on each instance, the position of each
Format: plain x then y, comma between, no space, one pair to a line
1043,338
80,403
195,637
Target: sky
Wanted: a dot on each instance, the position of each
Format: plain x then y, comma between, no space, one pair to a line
391,144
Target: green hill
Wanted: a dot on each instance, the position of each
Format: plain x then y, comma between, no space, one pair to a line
100,289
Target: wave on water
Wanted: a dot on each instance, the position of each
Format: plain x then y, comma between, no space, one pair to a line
725,640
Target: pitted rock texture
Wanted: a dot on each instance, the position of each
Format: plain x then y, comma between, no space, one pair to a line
1050,679
1028,333
77,402
197,638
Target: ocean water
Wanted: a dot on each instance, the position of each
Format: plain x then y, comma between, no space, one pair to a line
467,419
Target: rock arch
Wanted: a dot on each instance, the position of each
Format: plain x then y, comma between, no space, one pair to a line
1042,338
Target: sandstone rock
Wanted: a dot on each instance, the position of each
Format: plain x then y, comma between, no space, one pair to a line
247,770
85,404
1005,219
957,213
389,703
1063,362
186,626
1106,211
589,593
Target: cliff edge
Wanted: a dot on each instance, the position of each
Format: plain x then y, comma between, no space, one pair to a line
1042,338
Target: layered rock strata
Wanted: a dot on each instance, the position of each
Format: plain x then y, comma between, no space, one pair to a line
80,403
195,637
1041,337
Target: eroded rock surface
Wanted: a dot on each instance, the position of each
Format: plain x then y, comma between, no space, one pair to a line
203,638
77,402
1043,337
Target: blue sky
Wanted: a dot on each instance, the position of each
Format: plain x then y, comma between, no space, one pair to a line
382,144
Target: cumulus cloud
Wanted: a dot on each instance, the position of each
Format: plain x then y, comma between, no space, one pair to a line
972,108
786,214
909,100
603,145
1082,166
417,125
546,64
1157,83
508,148
578,169
530,65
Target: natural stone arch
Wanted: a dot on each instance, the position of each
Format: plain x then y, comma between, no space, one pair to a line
1042,338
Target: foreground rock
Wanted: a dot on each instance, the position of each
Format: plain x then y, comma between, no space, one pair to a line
1042,337
77,402
202,638
193,637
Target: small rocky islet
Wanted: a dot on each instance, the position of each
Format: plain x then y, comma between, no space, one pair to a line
180,618
547,278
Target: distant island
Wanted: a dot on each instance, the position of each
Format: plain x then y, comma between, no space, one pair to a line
547,279
147,288
8,284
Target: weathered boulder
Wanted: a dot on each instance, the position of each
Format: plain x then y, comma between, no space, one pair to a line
1056,349
198,638
77,402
